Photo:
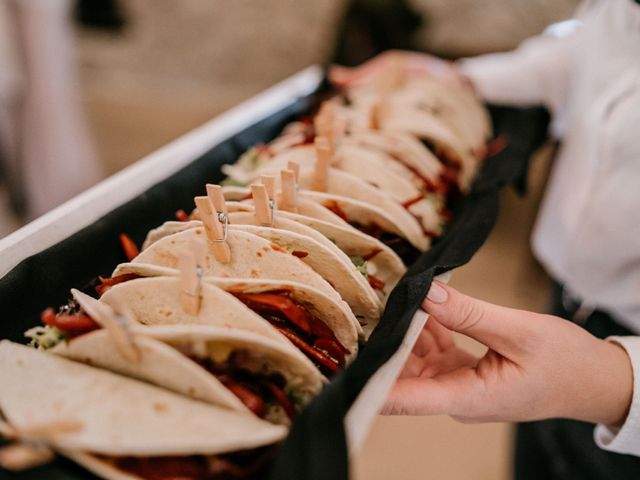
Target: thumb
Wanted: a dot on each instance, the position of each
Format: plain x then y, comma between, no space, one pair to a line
508,331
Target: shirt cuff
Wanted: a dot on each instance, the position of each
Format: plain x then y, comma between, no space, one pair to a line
624,439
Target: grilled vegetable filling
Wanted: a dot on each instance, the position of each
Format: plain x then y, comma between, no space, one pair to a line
106,283
243,464
68,323
261,392
402,247
308,333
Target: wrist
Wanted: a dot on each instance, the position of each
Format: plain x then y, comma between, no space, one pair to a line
609,389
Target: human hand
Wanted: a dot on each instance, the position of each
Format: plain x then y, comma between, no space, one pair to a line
537,366
409,63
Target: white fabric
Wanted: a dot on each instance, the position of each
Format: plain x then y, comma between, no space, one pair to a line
588,230
43,131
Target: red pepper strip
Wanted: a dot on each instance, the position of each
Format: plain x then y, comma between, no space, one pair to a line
250,399
299,253
333,349
306,120
494,147
428,184
182,216
412,201
263,149
130,249
449,176
319,357
280,304
371,254
282,399
335,208
375,282
73,325
107,283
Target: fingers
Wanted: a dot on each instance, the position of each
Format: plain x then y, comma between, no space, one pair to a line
344,76
425,343
508,331
450,394
441,335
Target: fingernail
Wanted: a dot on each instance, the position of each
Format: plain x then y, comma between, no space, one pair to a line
437,294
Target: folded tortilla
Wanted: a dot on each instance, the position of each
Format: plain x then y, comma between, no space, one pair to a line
116,417
251,257
176,357
156,301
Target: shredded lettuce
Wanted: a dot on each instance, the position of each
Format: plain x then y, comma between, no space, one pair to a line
361,265
241,172
44,338
232,182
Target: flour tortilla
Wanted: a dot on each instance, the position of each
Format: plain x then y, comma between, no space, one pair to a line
405,148
351,186
324,258
304,207
155,300
341,238
165,366
251,257
117,416
331,263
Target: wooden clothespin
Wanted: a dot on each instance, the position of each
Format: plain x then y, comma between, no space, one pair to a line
20,456
115,321
264,214
216,231
29,450
295,166
323,161
289,197
322,121
269,182
191,266
339,128
216,197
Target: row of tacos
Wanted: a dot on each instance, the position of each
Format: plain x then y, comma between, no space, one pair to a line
193,358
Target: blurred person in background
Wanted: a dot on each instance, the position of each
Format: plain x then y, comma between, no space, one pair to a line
45,148
587,236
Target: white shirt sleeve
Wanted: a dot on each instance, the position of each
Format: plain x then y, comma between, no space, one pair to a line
625,439
535,73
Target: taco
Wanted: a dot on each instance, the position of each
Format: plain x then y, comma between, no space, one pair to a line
251,257
122,429
233,369
373,260
322,329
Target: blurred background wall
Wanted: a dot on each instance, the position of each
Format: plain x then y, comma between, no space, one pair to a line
142,72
